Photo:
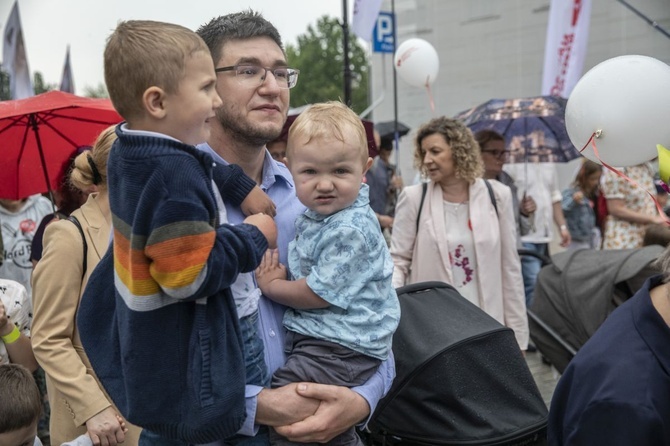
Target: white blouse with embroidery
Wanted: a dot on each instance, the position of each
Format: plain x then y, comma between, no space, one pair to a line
462,250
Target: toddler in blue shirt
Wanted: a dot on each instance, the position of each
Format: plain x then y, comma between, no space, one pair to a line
344,309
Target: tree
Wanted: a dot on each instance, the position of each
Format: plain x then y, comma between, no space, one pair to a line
39,86
319,56
4,86
100,91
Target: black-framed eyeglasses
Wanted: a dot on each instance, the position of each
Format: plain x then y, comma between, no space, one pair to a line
497,153
253,76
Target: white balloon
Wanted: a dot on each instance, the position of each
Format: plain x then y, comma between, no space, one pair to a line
416,62
627,98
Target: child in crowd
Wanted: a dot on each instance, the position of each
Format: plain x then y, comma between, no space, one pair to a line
20,406
16,317
165,341
578,205
20,409
345,309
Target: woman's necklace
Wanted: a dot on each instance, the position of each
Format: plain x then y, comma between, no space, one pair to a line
454,207
455,196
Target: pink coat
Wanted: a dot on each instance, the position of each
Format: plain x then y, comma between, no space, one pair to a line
425,256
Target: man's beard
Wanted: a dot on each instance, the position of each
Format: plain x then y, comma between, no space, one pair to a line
242,131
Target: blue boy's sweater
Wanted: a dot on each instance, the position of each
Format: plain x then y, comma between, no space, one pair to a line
164,340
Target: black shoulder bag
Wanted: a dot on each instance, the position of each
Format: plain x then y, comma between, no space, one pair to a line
74,220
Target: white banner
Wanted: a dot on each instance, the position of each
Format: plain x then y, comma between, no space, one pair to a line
365,17
67,81
565,50
14,60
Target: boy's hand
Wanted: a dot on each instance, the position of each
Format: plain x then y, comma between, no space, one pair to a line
269,270
258,202
105,429
266,225
122,422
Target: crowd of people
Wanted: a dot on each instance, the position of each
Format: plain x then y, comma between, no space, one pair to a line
209,281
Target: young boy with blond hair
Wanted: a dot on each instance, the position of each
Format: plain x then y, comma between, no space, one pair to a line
344,309
157,319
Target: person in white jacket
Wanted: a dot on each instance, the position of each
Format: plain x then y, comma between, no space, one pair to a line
462,231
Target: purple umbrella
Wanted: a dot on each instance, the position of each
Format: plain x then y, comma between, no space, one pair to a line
534,128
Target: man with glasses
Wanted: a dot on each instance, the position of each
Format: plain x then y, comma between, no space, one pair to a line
539,180
494,155
253,80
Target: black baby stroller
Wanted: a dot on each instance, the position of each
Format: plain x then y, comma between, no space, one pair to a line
577,291
461,378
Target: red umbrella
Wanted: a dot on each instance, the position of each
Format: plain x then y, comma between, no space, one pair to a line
39,133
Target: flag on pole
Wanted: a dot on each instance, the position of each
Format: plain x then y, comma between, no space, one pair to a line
14,60
565,49
67,82
365,17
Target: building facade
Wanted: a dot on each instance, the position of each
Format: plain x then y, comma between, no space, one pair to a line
495,49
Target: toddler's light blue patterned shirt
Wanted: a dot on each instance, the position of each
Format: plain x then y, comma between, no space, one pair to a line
347,263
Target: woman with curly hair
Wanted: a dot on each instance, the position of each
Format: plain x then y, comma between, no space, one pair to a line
459,228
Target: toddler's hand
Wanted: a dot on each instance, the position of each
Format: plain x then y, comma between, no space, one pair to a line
269,270
266,225
258,202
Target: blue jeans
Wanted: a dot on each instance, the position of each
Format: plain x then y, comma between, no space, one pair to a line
254,360
530,268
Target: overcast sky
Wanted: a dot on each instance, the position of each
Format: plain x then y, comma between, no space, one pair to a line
50,25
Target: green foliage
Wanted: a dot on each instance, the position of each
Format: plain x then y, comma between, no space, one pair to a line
4,86
96,92
99,91
319,56
39,86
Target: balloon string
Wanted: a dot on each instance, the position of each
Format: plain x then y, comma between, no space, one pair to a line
659,208
430,97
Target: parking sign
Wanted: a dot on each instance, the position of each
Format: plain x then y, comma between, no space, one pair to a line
383,33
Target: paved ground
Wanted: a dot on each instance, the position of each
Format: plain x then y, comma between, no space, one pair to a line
545,376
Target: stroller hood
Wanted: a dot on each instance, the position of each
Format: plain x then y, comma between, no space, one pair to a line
461,378
575,294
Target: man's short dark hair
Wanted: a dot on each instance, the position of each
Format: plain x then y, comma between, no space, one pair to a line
237,26
386,144
483,137
20,401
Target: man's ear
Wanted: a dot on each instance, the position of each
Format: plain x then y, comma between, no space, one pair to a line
153,101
